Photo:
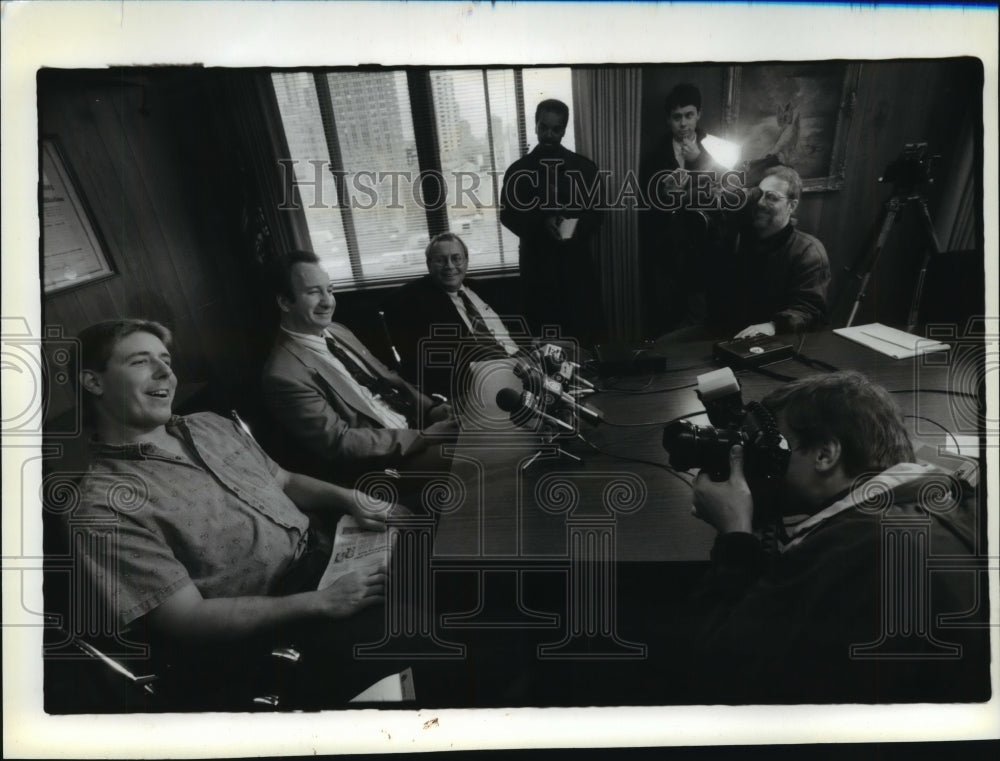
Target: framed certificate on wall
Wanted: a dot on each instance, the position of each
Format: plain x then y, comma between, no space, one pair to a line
73,251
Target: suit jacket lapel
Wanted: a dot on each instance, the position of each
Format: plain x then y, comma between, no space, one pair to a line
346,392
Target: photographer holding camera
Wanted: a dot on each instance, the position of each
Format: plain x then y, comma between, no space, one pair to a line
838,604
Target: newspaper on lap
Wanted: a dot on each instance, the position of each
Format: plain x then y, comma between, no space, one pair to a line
355,548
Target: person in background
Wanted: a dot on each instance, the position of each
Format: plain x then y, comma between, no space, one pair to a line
771,277
551,199
676,237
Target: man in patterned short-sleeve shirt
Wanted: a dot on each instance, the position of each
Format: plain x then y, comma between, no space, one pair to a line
213,543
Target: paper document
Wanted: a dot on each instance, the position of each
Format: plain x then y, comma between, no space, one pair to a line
567,227
394,688
354,548
894,343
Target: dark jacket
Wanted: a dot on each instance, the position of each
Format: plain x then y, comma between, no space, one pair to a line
429,334
847,610
783,278
558,285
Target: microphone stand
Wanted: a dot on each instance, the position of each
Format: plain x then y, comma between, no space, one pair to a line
549,448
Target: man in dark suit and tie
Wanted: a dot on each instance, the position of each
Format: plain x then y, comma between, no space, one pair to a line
341,408
443,303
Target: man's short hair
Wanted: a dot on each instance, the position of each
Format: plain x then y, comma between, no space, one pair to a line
445,238
97,342
282,271
790,176
555,106
682,95
848,407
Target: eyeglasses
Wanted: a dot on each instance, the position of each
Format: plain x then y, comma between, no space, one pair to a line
772,198
455,260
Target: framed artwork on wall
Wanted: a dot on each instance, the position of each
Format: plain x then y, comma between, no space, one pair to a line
797,113
73,251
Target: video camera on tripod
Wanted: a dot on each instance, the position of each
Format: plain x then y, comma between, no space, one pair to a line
910,169
907,174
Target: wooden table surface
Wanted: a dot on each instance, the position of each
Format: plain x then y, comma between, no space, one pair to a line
507,512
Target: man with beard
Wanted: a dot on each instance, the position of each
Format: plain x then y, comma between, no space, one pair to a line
778,278
771,278
550,200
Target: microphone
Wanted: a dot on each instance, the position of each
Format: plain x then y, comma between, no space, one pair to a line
553,360
550,390
531,377
509,400
388,337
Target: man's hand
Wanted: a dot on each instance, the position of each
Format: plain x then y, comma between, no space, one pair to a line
726,505
690,150
673,181
446,427
760,329
352,592
439,413
370,512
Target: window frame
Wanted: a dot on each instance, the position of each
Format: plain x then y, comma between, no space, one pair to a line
428,156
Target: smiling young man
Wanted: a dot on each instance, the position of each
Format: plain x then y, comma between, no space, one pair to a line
444,298
552,200
217,547
342,410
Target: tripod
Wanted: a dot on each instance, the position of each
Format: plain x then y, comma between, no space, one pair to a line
893,206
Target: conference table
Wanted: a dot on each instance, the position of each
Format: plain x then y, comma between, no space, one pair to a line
531,558
509,510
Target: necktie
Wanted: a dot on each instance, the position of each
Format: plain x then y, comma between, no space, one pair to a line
378,386
476,319
480,328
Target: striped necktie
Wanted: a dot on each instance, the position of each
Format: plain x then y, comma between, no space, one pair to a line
378,386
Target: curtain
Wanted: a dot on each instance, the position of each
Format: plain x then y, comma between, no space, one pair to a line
270,224
607,104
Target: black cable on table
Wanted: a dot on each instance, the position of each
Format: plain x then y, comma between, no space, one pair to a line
672,471
954,440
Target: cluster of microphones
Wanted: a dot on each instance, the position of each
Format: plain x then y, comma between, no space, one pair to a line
550,393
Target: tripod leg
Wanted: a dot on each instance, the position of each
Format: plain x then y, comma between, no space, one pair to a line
891,209
932,250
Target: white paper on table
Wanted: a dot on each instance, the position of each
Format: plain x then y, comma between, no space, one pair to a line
894,343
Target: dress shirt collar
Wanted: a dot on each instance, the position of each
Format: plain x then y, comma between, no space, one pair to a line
312,341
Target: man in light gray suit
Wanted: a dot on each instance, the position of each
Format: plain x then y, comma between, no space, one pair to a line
343,411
